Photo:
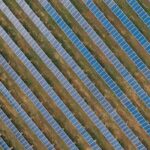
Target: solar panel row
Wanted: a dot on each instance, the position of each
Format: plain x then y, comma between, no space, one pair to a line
60,76
119,39
128,24
64,82
103,102
25,117
3,144
121,69
79,72
140,11
125,101
47,88
14,130
38,104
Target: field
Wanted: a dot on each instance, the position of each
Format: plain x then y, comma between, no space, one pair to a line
74,92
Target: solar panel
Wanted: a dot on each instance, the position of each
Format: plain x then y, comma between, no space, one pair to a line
14,130
37,103
3,144
39,24
113,113
25,116
140,11
38,76
129,25
105,76
47,8
50,14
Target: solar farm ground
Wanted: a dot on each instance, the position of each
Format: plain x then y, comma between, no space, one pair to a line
66,81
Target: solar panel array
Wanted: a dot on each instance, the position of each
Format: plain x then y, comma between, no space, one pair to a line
133,83
37,103
123,98
14,130
128,24
119,39
13,24
114,60
46,87
102,100
140,11
25,117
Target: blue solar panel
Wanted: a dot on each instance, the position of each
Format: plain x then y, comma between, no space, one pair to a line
100,71
40,27
140,11
25,116
79,44
37,103
37,75
3,144
80,73
14,130
128,24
